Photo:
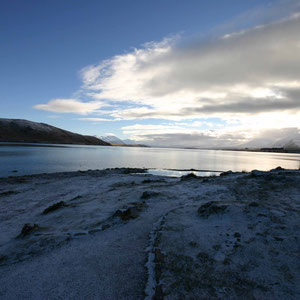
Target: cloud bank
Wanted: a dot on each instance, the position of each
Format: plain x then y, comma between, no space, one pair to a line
251,72
250,77
70,106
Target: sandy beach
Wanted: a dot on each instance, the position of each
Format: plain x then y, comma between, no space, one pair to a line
115,234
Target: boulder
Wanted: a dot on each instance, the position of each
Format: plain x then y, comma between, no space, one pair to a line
54,207
211,208
28,228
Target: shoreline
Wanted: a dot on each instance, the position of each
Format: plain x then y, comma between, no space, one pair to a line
40,144
88,232
130,170
126,170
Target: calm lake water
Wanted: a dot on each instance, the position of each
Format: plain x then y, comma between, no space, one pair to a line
32,160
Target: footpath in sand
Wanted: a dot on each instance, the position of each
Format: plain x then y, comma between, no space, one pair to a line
115,234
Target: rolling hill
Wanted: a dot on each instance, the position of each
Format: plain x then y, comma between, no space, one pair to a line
17,130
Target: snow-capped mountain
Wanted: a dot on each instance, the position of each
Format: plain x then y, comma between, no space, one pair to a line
289,139
130,142
112,139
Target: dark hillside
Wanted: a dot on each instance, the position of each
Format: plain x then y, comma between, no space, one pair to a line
16,130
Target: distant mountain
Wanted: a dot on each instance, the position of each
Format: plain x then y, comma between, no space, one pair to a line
115,141
257,143
288,144
130,142
112,139
285,143
16,130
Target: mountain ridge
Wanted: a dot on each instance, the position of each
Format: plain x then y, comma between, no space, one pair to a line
20,130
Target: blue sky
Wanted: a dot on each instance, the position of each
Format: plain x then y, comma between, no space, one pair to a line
51,49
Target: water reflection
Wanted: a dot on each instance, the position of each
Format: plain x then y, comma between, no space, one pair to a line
33,160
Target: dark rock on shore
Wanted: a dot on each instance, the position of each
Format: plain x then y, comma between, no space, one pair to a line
189,176
149,194
226,173
28,228
211,208
54,207
130,211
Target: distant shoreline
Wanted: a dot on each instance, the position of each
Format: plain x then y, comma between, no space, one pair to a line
37,144
245,150
259,150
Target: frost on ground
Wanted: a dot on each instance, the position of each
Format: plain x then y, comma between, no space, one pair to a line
114,234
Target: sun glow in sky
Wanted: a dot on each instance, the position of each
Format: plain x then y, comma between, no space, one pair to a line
169,73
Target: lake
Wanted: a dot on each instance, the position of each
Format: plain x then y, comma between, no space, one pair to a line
34,159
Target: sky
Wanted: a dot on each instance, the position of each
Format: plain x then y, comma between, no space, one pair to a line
161,72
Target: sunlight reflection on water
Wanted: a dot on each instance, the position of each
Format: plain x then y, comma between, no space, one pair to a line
35,159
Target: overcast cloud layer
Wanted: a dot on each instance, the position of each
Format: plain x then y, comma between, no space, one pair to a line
249,79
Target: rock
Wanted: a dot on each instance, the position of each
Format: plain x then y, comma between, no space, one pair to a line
253,204
29,228
79,234
55,206
193,244
210,208
189,176
256,173
76,198
149,194
277,169
8,193
237,235
204,258
130,211
226,173
147,181
127,213
106,226
133,170
262,215
2,258
92,231
236,245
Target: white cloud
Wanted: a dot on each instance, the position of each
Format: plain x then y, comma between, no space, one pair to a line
253,132
70,106
145,129
248,78
220,138
250,73
95,119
